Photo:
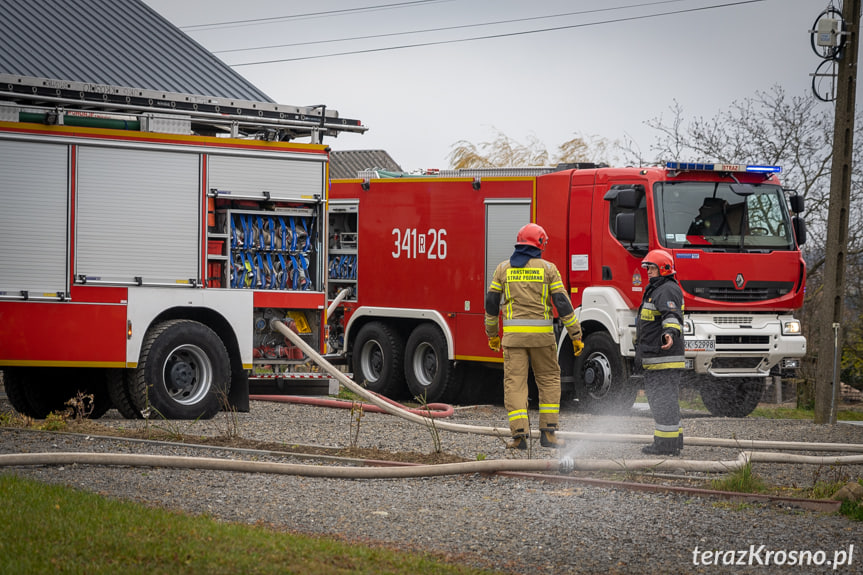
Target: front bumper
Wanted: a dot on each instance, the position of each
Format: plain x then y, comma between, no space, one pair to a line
739,345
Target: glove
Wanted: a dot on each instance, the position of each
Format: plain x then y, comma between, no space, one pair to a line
577,347
494,343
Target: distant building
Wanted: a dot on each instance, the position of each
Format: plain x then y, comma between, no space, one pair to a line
348,163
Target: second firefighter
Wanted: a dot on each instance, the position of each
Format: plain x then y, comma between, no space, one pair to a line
523,289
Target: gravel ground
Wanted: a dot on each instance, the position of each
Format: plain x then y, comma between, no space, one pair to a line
508,523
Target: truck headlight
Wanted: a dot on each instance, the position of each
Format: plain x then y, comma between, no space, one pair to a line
791,327
688,327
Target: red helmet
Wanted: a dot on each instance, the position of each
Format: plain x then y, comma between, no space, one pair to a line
660,259
532,235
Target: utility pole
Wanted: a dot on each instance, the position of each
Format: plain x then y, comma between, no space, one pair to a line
833,293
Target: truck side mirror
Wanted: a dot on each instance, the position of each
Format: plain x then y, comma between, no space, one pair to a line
796,203
799,228
628,198
624,227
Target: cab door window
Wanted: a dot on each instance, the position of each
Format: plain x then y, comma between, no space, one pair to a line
627,216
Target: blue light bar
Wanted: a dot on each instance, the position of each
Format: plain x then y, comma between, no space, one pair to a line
717,167
763,169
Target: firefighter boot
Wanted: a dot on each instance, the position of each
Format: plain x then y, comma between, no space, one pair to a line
662,446
519,441
548,439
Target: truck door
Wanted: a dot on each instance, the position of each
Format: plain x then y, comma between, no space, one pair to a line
503,219
621,258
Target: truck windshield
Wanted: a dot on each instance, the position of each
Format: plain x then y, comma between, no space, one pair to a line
713,216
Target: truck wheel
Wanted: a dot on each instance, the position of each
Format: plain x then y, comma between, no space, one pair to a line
184,371
120,383
378,352
35,391
731,397
602,382
430,374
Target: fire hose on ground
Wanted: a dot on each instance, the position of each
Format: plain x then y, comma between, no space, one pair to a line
433,410
393,409
562,465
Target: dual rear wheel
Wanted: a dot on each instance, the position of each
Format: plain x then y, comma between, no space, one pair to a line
420,367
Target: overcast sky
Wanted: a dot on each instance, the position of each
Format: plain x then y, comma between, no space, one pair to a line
609,68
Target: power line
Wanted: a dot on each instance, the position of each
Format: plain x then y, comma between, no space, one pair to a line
445,28
238,23
493,36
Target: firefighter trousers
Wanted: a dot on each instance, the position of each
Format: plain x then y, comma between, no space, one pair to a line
546,372
662,389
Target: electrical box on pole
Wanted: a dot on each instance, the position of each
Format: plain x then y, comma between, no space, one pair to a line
828,31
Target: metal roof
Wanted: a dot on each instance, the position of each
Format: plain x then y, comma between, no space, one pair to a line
347,164
113,42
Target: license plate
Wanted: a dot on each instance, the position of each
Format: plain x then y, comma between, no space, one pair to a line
700,344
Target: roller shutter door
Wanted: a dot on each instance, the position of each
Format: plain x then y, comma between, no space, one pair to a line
503,219
33,219
283,179
138,216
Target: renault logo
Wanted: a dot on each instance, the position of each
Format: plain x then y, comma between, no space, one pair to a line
739,281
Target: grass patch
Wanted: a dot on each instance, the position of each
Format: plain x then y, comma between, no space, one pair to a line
52,528
347,394
742,480
852,510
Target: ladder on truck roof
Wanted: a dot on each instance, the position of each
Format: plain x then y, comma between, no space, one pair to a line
172,112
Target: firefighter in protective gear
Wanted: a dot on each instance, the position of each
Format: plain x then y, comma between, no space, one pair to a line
659,351
523,289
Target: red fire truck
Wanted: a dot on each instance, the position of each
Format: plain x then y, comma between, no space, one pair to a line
410,259
146,241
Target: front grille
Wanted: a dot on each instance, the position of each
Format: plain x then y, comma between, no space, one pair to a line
727,291
742,339
732,319
735,362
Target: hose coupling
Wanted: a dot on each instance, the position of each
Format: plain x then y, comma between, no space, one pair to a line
566,465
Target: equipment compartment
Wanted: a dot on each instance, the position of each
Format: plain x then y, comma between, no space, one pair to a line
272,250
342,256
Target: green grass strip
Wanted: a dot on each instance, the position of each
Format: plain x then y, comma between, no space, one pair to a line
57,529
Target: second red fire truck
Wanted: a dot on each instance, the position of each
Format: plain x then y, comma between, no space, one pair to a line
147,240
410,259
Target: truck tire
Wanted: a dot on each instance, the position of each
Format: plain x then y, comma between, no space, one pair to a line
184,372
430,375
35,391
602,382
377,359
731,397
120,383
